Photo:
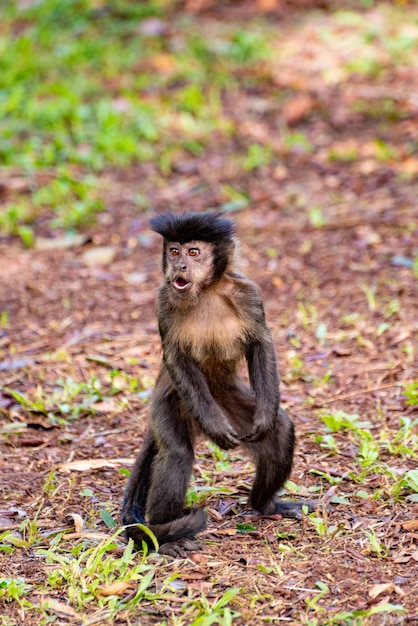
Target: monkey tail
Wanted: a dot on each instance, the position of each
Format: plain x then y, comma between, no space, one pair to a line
185,527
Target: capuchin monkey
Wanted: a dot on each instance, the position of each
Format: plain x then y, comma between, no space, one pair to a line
210,319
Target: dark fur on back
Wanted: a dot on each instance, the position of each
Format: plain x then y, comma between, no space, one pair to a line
206,226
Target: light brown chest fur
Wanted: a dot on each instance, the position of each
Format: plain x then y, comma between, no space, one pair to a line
212,330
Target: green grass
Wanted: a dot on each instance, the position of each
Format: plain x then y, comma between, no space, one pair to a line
95,579
83,89
87,86
92,87
375,453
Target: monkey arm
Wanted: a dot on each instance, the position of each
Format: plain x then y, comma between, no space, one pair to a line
262,370
260,356
262,366
193,390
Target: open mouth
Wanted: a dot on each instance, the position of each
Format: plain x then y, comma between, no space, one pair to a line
181,283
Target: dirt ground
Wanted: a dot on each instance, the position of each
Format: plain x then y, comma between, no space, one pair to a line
329,291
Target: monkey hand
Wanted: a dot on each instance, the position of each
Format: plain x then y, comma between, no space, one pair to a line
222,433
262,426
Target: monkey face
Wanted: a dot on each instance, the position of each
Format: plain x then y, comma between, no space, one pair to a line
189,266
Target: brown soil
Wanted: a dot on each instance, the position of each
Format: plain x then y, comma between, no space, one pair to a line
69,317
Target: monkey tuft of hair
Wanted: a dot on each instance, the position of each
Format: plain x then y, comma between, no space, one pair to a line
206,226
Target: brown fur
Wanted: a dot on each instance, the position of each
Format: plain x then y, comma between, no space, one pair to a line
211,330
210,318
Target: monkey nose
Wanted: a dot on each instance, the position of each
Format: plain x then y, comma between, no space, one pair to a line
181,266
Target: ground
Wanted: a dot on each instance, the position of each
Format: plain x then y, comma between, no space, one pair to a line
331,243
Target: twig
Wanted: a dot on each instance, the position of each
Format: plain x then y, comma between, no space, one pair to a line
353,394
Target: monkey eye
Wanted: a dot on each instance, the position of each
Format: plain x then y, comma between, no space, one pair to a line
174,251
194,252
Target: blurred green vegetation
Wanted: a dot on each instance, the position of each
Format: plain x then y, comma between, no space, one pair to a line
85,86
88,85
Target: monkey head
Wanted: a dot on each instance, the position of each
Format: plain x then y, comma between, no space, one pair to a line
198,247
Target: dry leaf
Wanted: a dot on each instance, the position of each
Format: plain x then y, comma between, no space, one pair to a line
164,63
405,334
60,243
101,255
280,172
409,166
297,108
278,282
410,525
215,515
402,559
89,464
18,184
86,534
106,406
226,531
368,166
414,555
59,608
257,131
78,522
378,589
267,5
115,589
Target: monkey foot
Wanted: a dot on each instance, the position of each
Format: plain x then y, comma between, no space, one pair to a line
180,548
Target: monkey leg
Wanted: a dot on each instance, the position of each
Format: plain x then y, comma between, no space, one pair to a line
274,458
174,526
238,402
173,462
159,480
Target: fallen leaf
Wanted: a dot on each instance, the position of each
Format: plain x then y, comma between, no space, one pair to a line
164,63
199,557
115,589
88,464
267,5
402,559
59,608
106,406
256,131
101,255
280,172
410,525
215,515
409,166
60,243
297,108
78,522
226,531
414,555
278,282
85,534
368,166
380,588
